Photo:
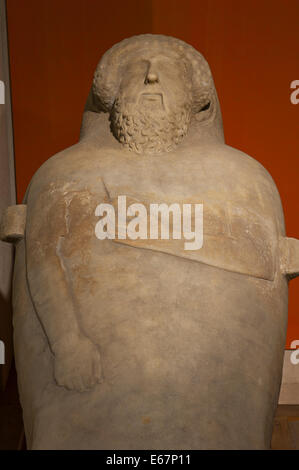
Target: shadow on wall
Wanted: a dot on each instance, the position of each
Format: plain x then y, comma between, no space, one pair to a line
6,344
11,422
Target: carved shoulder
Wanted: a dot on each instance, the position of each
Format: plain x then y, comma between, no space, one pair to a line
253,182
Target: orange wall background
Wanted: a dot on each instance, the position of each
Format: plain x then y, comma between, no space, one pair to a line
252,48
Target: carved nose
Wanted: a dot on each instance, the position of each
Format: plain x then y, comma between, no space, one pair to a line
151,77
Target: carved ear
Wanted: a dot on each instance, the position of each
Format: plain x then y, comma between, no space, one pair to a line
205,107
13,222
90,104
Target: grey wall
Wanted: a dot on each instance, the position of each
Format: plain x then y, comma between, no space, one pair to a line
7,197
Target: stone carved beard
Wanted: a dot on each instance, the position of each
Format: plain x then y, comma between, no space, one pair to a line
150,130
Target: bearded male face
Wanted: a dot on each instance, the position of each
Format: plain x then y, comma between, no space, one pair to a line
152,110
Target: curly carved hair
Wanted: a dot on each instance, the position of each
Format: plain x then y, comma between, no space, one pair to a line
107,75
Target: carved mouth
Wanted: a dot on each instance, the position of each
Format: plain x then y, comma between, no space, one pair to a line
152,98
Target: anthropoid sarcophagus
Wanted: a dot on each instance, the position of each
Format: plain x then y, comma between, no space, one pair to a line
151,272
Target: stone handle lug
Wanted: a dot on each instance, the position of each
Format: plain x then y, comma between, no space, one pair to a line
289,257
13,223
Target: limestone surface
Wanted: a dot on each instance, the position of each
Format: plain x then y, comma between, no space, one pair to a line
139,343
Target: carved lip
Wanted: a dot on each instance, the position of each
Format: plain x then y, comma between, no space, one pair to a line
154,97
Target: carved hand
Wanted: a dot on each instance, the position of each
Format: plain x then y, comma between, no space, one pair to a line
77,364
